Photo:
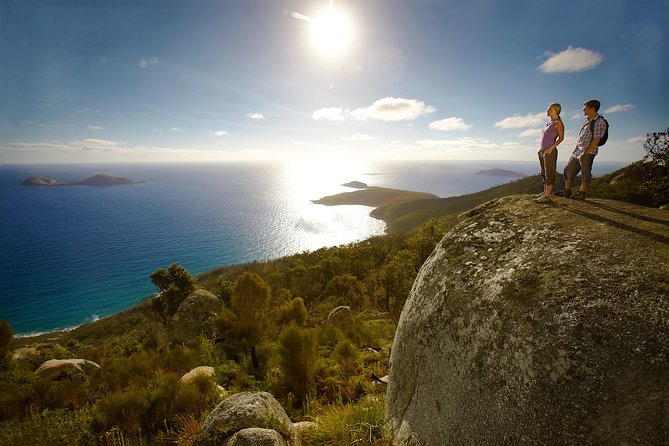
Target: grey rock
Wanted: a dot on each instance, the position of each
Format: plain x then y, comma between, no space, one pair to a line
242,411
256,436
537,324
195,316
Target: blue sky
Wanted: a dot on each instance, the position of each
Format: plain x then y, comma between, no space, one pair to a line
197,80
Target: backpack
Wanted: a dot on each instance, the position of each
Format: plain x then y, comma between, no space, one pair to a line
606,130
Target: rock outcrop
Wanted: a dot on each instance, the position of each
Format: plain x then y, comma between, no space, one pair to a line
538,324
244,416
195,316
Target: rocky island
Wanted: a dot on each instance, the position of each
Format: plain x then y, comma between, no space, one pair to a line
356,185
95,180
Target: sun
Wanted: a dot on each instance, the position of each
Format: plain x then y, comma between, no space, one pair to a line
331,32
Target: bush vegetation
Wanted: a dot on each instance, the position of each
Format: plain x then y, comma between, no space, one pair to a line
272,334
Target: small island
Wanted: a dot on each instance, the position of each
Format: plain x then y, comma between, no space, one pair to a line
95,180
356,185
501,173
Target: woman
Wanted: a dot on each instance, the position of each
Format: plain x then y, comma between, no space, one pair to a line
552,136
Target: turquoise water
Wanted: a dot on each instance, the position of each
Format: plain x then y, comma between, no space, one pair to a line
69,255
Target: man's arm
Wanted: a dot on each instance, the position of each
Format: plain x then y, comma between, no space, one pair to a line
592,146
597,134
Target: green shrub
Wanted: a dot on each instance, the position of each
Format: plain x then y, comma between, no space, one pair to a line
293,311
6,334
124,410
17,392
360,423
297,358
346,353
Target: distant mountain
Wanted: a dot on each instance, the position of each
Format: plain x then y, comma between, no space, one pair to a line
501,173
95,180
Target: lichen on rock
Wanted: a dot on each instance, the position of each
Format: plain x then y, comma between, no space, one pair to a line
537,324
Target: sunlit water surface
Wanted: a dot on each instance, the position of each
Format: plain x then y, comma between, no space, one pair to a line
73,254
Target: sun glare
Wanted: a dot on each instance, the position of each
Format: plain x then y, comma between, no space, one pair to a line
331,32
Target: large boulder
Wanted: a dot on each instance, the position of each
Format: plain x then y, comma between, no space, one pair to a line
203,372
197,372
59,368
538,324
195,316
242,411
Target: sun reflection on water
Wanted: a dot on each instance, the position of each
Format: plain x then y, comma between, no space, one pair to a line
318,225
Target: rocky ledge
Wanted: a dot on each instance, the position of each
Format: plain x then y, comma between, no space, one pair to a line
95,180
538,324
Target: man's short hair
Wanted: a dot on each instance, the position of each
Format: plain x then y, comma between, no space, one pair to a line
594,103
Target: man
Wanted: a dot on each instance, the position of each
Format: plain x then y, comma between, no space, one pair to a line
584,153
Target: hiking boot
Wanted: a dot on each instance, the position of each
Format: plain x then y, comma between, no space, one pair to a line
580,195
566,193
542,199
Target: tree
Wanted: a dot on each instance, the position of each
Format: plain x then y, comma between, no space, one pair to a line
657,147
347,289
423,241
397,277
174,284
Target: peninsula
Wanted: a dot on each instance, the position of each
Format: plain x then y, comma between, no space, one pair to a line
406,211
95,180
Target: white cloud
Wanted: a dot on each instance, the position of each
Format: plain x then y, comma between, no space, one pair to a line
620,108
530,133
219,133
571,60
176,130
146,63
518,122
332,114
255,116
393,109
450,124
95,127
359,137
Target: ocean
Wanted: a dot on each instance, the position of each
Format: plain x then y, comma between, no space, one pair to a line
70,255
